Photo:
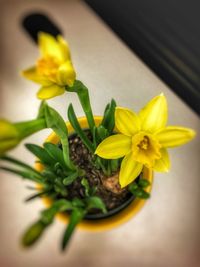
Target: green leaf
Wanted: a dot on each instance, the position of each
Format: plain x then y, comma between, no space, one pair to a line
61,205
75,217
49,175
70,178
20,164
57,124
56,153
105,112
96,139
75,124
34,196
102,132
97,203
59,187
114,163
143,183
109,117
133,187
140,193
85,183
24,174
93,190
33,233
41,154
78,203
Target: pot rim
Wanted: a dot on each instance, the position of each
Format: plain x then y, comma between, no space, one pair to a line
114,220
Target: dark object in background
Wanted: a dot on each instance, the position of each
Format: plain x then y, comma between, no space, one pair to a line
165,34
36,22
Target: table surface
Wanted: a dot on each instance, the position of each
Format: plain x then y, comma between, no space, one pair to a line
166,231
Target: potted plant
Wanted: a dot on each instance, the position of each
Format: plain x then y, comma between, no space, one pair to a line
93,171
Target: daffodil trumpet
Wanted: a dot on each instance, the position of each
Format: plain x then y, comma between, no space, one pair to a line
142,140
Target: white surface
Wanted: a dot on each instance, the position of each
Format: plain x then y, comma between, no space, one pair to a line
166,232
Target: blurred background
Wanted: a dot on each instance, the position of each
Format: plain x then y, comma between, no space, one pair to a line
130,51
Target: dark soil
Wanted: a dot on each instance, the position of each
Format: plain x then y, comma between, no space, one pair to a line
83,158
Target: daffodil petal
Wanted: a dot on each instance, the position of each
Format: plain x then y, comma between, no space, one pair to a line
64,48
130,169
163,164
173,136
66,74
31,74
113,147
154,115
49,46
50,91
126,121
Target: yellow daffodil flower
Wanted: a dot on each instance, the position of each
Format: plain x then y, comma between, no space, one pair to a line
9,136
142,140
54,69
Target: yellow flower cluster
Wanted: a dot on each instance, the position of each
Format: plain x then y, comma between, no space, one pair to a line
53,70
142,139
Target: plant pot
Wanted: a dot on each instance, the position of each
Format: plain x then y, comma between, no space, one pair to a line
122,214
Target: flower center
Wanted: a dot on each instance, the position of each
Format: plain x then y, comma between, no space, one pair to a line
146,149
144,144
48,66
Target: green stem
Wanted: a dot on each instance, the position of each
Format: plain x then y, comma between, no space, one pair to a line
30,127
83,95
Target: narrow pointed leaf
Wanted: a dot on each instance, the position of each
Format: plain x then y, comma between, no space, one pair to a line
19,164
61,205
75,124
57,124
102,132
55,152
85,183
78,203
34,196
26,175
97,203
140,193
109,116
70,178
41,154
143,183
75,217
